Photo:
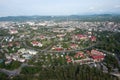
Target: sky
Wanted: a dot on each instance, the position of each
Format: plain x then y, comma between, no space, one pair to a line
58,7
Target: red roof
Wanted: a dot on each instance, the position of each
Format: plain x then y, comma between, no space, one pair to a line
95,52
93,38
73,45
69,61
42,36
58,49
88,52
98,57
79,35
79,54
35,42
67,57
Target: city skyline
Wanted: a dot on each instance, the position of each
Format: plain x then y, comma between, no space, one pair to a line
59,7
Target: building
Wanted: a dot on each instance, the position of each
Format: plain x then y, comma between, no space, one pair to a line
97,55
13,31
80,37
68,59
93,38
36,43
79,55
32,52
73,46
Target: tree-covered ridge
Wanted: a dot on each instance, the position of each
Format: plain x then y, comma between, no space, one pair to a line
69,72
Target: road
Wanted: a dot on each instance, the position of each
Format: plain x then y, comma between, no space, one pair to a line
14,72
116,57
115,74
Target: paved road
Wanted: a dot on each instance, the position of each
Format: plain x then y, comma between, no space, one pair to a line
115,74
14,72
117,58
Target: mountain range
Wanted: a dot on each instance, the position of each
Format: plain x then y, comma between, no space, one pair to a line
95,17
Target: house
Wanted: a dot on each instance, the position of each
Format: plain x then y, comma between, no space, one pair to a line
22,50
42,37
58,49
67,57
21,60
95,52
70,29
10,44
36,43
80,37
88,52
26,56
14,57
69,60
93,38
98,58
79,54
32,52
89,33
73,46
13,31
97,55
34,28
60,35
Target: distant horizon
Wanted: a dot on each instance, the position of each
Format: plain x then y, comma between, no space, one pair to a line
85,14
62,15
58,7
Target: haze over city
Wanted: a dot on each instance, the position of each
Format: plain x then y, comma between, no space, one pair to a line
58,7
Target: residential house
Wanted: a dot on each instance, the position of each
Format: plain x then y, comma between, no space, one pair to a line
13,31
79,54
36,43
73,46
97,55
93,38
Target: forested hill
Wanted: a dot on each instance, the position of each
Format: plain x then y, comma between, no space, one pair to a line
102,17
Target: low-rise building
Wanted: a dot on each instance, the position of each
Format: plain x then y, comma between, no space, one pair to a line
13,31
79,54
73,46
36,43
97,55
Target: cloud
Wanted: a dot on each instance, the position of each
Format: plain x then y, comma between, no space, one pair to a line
117,6
91,8
101,10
